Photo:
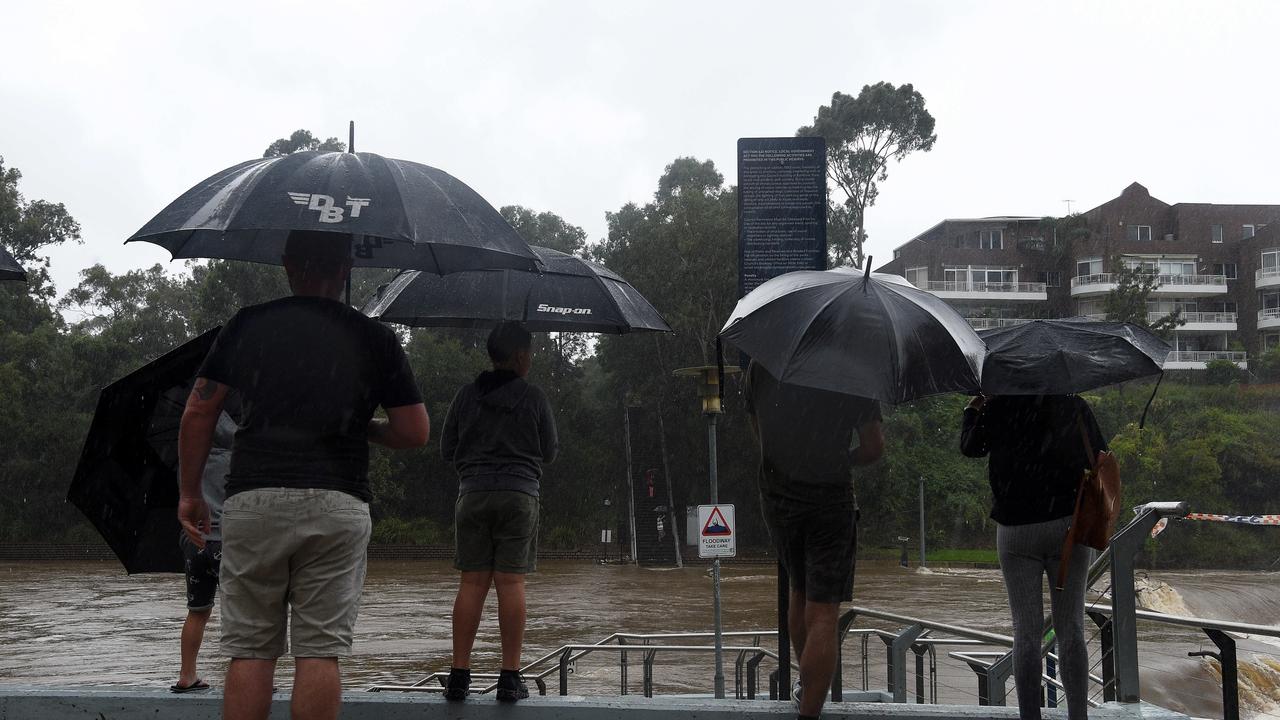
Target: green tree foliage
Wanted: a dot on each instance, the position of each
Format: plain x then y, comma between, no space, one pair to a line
1128,301
1211,445
302,140
545,229
863,134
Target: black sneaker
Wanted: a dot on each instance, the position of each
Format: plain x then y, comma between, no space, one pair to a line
511,686
459,682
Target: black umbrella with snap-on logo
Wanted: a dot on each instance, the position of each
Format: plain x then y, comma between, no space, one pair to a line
569,295
400,214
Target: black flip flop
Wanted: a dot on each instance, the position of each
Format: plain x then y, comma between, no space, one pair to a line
193,687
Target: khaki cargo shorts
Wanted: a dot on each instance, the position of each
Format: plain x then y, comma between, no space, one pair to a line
292,558
496,530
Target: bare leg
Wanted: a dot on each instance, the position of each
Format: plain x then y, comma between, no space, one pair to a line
317,689
468,606
248,689
818,661
795,623
192,637
511,616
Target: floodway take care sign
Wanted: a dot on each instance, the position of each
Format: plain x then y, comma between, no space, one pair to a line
718,536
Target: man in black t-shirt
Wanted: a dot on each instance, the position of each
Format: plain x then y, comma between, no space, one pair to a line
807,457
310,373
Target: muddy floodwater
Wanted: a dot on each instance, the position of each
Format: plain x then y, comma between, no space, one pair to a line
90,624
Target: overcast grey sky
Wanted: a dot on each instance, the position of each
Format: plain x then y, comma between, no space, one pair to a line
114,108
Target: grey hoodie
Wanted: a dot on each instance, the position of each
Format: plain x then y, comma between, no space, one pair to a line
498,433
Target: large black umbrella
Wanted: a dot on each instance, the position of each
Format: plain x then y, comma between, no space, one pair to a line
570,295
402,214
1070,355
126,482
873,335
9,267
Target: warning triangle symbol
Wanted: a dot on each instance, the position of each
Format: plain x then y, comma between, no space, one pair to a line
716,524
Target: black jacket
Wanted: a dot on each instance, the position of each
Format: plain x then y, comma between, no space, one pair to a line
1037,453
498,433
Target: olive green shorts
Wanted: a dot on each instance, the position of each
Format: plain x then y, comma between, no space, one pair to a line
496,531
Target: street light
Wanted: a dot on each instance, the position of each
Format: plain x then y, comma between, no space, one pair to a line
710,391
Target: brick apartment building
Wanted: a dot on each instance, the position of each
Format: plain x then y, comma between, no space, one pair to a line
1219,265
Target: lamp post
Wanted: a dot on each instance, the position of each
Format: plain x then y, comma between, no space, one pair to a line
711,392
629,401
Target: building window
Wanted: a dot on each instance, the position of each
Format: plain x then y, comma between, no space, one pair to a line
918,276
1092,307
1228,270
1216,232
991,239
1088,266
1139,233
1051,278
1271,260
1246,232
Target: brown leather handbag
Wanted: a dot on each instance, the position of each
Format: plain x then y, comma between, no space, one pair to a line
1097,505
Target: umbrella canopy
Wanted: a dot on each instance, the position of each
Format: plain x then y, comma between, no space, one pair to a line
126,482
873,335
401,214
1071,355
9,267
570,295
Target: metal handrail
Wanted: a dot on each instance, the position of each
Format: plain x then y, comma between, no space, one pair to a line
1199,623
1268,314
622,638
1266,273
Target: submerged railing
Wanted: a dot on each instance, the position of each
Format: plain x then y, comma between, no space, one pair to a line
1114,675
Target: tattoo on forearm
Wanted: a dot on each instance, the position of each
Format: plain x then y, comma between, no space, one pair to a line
205,389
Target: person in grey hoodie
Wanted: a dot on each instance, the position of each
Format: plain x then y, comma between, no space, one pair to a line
499,432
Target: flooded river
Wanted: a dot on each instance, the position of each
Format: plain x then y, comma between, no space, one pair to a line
89,624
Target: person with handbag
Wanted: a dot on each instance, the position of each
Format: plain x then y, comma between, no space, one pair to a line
1040,448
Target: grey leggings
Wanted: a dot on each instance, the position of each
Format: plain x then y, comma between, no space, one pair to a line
1027,554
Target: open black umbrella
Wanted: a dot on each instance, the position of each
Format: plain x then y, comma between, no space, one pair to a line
570,295
9,267
126,482
401,214
1070,355
867,334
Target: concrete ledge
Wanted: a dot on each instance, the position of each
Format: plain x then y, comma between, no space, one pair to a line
34,703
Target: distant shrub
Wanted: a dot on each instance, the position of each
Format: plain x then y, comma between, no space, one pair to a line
418,531
1267,367
1222,372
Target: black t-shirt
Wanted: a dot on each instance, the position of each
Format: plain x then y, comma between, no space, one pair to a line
806,438
310,372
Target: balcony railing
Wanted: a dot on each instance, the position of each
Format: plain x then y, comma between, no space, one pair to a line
1206,356
1112,279
1269,314
1197,317
1267,275
993,323
950,286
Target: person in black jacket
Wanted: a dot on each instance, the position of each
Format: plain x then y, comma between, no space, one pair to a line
1038,457
498,433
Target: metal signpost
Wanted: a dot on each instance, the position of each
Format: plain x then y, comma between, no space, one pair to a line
782,227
